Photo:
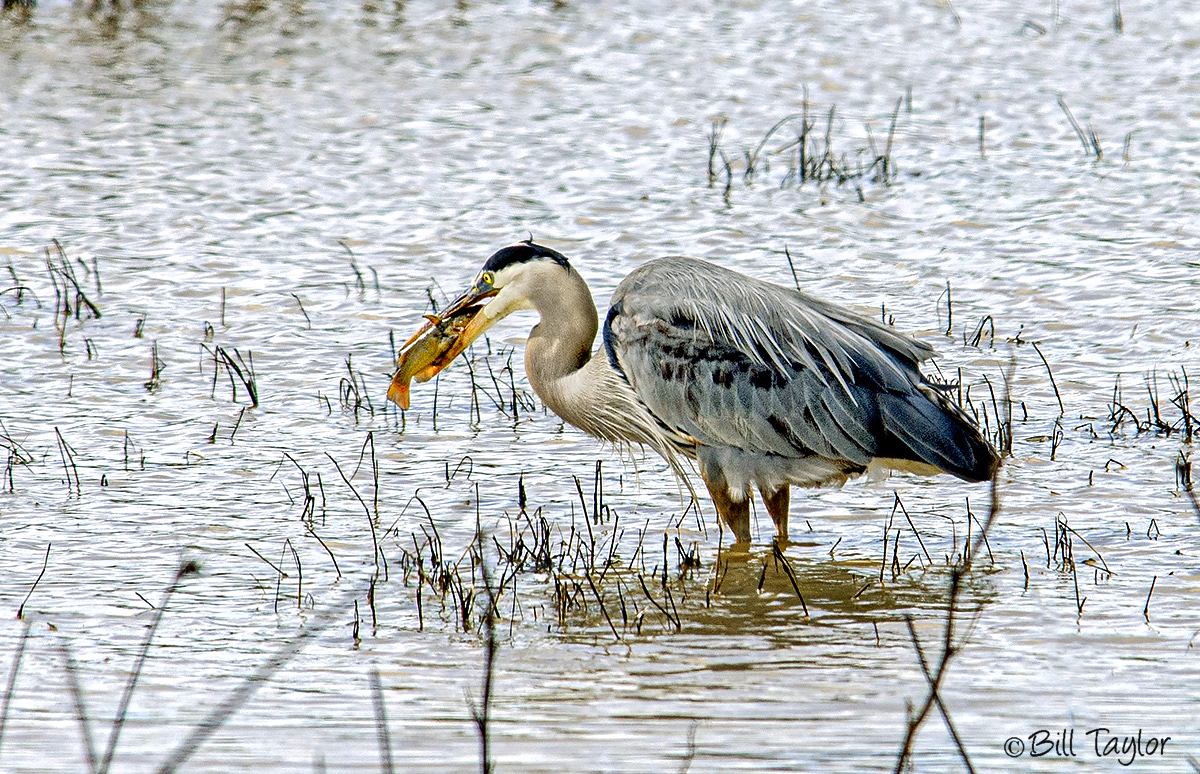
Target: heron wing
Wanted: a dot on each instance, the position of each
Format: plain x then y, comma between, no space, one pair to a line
737,362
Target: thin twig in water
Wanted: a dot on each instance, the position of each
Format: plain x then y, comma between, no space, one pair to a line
301,305
185,569
241,368
791,574
949,646
64,270
67,455
358,276
714,145
271,564
1146,609
45,563
1074,124
156,367
12,680
791,266
236,424
240,695
899,504
332,558
85,729
481,714
299,573
381,724
1061,409
370,521
1087,146
690,754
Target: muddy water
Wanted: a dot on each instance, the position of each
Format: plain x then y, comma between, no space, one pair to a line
292,183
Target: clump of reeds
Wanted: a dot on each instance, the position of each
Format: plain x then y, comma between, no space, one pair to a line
1157,419
16,455
1089,140
154,383
809,155
240,371
353,392
582,564
70,297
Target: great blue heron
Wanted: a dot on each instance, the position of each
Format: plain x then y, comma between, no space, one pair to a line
760,384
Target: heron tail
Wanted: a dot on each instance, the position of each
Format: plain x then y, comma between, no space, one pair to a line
935,431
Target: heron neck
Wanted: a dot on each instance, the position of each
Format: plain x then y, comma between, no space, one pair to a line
560,346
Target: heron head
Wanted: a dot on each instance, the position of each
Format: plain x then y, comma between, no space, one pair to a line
512,279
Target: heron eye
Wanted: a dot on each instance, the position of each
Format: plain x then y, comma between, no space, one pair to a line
488,278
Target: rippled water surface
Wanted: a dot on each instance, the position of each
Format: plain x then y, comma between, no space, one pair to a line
290,184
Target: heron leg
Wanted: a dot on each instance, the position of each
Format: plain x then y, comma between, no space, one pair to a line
735,514
777,503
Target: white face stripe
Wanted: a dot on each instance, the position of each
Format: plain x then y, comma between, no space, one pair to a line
519,283
510,299
509,274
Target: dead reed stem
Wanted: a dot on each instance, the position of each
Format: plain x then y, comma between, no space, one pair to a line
381,723
240,695
45,564
67,455
1183,474
185,569
1062,103
12,680
1150,593
236,366
1061,409
378,552
481,713
950,647
156,367
85,729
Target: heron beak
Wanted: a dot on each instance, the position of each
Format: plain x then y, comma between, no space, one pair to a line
477,323
457,306
473,297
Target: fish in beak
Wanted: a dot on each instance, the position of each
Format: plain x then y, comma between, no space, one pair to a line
441,339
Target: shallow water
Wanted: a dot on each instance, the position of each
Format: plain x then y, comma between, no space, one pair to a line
295,182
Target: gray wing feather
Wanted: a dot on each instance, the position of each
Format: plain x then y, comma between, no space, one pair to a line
734,361
767,321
